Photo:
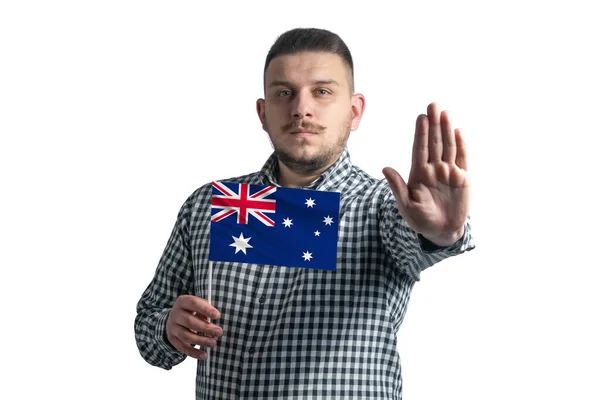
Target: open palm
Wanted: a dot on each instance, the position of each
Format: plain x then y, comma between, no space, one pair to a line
435,201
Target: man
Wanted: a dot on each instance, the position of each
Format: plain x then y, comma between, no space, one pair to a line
280,332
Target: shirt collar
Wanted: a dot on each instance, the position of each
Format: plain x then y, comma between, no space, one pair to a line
327,181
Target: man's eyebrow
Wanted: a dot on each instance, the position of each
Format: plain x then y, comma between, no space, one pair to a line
326,82
317,82
279,83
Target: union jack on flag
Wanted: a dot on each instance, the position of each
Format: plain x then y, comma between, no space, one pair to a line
274,225
243,203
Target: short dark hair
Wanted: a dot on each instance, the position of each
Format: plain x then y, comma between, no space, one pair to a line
307,40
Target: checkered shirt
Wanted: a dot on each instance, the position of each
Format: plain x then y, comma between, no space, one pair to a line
297,333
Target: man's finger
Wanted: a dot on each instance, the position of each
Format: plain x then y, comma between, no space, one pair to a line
194,323
188,337
436,145
189,350
449,142
420,155
199,305
398,187
461,150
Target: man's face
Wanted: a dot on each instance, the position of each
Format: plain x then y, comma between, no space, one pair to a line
309,110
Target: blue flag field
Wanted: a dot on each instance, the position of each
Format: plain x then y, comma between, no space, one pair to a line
274,225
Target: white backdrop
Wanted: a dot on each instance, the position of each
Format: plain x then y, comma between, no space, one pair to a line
113,112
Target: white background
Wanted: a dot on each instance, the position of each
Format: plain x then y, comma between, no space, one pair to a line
113,112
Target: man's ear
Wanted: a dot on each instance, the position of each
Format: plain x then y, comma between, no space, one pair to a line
260,110
358,108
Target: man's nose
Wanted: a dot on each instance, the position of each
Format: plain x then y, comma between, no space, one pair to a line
302,106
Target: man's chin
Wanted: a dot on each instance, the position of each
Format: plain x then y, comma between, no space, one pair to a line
301,161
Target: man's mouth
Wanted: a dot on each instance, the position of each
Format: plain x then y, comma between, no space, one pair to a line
302,133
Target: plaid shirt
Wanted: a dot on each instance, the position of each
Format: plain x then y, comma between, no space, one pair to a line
294,332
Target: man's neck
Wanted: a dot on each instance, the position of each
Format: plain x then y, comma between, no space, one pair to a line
292,179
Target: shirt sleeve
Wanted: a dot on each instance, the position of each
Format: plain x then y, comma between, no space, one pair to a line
411,252
173,277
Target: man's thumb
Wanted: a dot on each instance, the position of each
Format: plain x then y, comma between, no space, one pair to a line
398,187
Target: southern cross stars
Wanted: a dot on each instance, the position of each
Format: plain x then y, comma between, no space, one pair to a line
287,222
328,220
241,243
310,202
307,256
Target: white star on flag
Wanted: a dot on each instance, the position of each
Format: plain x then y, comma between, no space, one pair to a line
287,222
328,220
310,202
241,243
307,256
317,233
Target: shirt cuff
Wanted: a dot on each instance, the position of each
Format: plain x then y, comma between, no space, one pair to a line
160,334
427,246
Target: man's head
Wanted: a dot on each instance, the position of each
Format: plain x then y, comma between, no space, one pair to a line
311,40
309,107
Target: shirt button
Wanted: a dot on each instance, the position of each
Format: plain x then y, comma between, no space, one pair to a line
262,299
251,350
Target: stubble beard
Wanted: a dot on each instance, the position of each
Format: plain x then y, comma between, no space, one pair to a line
318,162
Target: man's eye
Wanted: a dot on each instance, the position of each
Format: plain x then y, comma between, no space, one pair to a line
322,92
282,93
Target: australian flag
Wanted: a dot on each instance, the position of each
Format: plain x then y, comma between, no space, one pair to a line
274,225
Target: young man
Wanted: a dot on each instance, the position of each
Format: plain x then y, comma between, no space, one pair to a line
282,332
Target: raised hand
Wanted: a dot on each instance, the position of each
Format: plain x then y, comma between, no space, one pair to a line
435,202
